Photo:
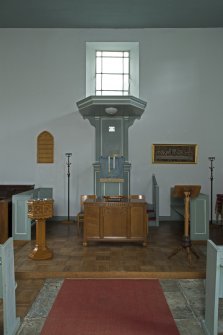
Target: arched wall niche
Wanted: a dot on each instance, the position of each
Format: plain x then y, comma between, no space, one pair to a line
45,147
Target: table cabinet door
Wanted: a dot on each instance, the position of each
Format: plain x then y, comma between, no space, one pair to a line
91,221
137,224
114,221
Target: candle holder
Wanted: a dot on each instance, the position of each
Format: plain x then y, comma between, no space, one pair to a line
211,159
68,163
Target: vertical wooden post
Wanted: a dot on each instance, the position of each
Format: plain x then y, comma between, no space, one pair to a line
186,213
187,191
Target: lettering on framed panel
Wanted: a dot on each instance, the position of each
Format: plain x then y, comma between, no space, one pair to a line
174,153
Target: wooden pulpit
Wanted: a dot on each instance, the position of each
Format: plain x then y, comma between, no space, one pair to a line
40,210
186,192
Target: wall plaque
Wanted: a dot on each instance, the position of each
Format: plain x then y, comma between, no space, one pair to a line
174,153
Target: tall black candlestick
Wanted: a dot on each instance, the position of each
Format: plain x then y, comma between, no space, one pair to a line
68,155
211,159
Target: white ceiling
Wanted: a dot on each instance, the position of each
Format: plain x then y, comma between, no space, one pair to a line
111,13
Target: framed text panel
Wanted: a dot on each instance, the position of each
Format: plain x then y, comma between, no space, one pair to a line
174,153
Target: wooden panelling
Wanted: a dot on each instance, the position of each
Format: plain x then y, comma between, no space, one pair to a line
124,220
4,219
6,191
45,148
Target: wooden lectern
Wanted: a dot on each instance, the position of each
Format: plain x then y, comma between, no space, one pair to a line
186,191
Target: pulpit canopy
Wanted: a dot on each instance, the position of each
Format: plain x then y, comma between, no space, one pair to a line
102,106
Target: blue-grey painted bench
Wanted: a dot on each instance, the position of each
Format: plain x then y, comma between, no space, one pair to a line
21,224
199,215
213,287
7,288
153,208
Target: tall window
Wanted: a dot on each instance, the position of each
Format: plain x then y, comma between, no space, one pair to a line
112,73
112,68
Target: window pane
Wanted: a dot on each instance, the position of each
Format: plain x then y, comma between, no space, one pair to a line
126,65
126,82
98,93
112,82
113,93
98,82
112,65
98,65
112,54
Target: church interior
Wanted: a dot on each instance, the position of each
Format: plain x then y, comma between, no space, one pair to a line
120,181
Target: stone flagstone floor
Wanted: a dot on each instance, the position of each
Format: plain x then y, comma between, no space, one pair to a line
185,298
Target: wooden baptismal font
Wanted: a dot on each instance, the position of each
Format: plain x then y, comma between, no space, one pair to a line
40,210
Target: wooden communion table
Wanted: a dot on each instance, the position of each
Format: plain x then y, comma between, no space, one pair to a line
115,220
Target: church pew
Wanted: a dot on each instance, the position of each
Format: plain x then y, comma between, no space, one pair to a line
7,288
199,215
21,224
153,208
213,287
6,193
8,190
5,219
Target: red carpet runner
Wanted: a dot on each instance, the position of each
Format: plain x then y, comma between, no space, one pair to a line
110,307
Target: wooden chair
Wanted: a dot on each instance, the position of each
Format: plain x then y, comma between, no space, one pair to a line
80,215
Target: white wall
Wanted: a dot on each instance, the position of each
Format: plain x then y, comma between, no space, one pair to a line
42,76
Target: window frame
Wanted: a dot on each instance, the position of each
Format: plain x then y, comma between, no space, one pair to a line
92,47
122,57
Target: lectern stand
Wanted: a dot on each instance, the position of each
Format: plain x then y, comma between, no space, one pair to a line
186,191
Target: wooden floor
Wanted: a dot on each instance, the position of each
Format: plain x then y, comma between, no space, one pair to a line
105,260
110,259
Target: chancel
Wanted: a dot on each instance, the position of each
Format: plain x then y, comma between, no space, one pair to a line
140,109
